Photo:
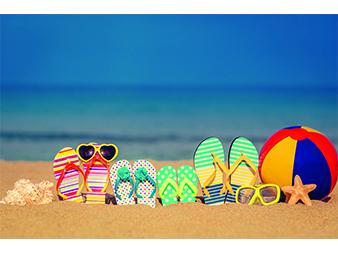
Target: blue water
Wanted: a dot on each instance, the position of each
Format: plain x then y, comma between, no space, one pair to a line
162,123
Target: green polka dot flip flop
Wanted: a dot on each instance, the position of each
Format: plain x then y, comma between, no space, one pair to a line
167,185
187,184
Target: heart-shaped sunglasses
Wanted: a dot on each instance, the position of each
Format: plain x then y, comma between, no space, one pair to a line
86,152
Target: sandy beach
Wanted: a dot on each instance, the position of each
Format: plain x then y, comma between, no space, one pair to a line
71,220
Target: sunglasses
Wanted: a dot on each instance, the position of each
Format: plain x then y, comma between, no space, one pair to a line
266,194
86,152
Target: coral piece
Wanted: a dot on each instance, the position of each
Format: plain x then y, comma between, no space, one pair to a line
299,191
27,193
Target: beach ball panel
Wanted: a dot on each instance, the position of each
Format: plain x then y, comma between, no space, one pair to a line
310,129
292,127
279,163
273,140
329,152
307,161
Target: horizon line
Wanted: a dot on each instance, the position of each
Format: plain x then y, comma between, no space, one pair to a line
166,86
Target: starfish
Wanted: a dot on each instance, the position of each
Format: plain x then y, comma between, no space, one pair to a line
299,191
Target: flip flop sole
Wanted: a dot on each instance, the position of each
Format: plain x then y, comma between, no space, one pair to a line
169,195
97,180
145,188
97,177
124,188
96,198
242,175
187,172
204,166
70,183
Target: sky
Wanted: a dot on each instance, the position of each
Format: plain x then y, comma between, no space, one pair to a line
220,50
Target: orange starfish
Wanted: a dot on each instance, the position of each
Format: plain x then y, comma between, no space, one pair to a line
299,191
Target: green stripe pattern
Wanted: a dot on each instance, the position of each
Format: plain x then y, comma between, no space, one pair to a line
203,158
245,146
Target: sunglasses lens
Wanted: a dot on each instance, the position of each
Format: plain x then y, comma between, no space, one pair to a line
269,194
108,152
86,152
245,195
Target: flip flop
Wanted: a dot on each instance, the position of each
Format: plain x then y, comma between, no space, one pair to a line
66,168
167,185
145,182
243,163
121,178
187,184
96,173
210,176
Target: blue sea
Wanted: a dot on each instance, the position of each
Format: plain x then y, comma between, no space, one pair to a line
153,122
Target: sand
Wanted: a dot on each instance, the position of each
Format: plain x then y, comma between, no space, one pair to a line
71,220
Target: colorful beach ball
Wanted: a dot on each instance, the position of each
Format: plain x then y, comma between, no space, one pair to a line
302,151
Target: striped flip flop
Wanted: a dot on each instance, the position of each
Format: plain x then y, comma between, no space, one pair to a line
66,168
96,175
209,175
145,182
187,184
167,185
243,162
121,178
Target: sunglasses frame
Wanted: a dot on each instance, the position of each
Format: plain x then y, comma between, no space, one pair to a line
257,194
97,150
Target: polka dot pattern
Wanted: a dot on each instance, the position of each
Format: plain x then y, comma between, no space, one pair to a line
169,195
145,188
123,188
187,172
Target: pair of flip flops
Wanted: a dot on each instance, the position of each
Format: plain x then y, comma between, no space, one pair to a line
220,180
67,171
138,180
172,184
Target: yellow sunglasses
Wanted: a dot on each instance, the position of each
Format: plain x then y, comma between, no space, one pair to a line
86,152
266,194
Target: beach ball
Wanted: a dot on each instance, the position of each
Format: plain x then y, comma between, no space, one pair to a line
302,151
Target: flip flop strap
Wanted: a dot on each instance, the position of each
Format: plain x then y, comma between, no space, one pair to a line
89,166
117,183
165,184
190,184
148,178
227,173
208,182
212,176
233,168
69,166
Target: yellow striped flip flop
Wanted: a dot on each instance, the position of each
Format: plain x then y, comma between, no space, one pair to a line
243,163
209,175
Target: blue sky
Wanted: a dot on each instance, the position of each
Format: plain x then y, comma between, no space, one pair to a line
246,50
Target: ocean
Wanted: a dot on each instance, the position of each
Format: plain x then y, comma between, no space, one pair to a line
153,122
